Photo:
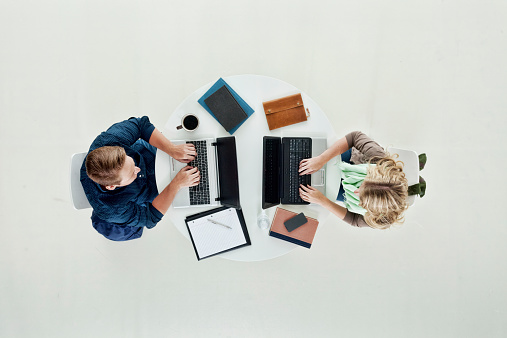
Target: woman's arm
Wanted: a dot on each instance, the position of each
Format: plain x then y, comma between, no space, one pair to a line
312,195
311,165
365,145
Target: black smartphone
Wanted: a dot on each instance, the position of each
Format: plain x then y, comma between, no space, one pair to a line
295,222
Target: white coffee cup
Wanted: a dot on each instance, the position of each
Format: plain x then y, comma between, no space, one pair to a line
189,122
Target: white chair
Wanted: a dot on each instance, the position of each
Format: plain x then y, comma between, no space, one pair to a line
77,194
411,167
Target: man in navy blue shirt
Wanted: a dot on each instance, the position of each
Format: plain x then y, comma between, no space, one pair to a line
118,177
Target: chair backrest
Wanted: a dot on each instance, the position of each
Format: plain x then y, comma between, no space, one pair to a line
411,167
77,194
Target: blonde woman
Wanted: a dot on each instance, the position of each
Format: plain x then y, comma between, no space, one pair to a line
375,193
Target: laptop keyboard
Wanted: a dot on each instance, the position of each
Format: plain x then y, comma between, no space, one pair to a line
199,194
299,149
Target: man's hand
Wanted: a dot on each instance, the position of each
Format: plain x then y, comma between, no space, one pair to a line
186,177
310,165
312,195
182,152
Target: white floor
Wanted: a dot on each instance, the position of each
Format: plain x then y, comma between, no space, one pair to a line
424,75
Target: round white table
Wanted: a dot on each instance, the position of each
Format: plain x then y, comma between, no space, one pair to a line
254,89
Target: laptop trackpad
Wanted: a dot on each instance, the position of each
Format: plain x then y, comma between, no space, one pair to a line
318,178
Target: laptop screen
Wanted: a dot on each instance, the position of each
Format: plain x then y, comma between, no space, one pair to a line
271,171
228,171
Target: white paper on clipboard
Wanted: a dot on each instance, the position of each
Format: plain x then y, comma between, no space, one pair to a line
211,238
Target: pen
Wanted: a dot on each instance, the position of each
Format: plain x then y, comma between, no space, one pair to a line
215,222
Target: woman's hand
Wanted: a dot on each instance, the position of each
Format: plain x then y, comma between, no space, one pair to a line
312,195
182,152
186,177
310,165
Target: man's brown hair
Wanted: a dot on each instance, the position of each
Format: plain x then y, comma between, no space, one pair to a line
103,165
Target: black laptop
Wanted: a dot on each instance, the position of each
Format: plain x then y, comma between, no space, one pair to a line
280,176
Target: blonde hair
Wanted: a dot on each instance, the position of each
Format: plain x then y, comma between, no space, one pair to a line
103,165
384,193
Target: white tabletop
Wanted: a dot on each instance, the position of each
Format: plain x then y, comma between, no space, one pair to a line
254,89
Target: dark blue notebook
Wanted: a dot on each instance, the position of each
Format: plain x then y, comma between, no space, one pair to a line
226,109
246,108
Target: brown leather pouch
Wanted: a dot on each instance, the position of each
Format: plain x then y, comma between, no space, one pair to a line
284,111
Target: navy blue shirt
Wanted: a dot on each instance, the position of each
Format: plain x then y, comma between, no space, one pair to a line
121,214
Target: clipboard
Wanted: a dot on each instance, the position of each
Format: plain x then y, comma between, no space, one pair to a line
216,231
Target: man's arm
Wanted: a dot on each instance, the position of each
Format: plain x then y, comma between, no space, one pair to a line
186,177
124,133
183,152
147,214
